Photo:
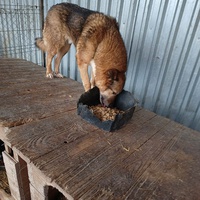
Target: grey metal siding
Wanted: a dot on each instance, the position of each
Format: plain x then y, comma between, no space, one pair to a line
165,59
162,39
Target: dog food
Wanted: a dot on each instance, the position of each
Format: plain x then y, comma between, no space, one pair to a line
105,113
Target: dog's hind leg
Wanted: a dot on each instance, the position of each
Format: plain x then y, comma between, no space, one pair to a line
49,73
58,59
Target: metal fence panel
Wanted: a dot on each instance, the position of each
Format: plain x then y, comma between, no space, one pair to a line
19,25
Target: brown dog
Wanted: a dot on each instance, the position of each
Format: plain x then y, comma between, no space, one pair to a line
98,43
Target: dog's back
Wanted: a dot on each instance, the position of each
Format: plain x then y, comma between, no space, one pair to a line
63,22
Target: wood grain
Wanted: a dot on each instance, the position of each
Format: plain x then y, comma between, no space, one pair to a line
151,157
26,95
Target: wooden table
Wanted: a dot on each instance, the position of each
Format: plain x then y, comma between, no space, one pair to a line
49,148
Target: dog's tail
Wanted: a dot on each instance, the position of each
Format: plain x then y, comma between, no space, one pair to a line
39,42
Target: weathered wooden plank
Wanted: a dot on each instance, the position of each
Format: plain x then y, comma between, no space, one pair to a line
12,116
36,195
18,69
28,98
49,133
144,173
100,161
24,178
12,170
88,149
40,185
53,132
149,158
164,173
37,88
108,163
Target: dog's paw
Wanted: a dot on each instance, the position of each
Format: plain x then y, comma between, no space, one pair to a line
50,75
58,75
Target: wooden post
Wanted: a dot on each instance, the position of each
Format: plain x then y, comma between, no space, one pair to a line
42,26
13,174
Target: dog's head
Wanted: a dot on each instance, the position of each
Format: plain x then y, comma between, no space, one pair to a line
110,86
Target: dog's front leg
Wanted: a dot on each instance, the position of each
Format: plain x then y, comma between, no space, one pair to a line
92,79
84,55
83,68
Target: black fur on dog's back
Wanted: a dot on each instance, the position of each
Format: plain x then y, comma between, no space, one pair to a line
70,15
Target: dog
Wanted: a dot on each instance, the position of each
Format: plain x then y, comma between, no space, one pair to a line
98,43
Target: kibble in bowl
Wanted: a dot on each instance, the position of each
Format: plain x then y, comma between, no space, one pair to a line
109,119
104,113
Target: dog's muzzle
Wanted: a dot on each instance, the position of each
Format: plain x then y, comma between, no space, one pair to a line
103,101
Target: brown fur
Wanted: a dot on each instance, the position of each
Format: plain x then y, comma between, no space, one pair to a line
97,41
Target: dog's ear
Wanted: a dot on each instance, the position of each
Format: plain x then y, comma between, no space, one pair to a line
112,75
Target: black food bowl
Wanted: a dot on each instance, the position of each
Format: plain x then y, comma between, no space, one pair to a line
124,102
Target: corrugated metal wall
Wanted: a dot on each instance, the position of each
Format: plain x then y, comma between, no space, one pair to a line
162,39
164,65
